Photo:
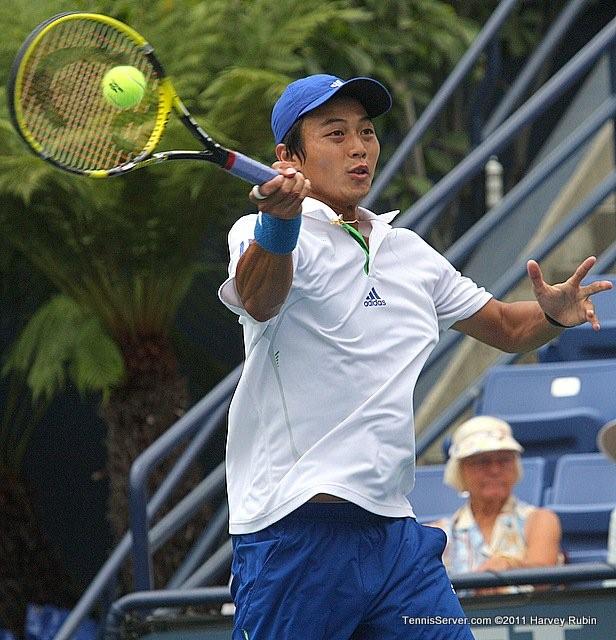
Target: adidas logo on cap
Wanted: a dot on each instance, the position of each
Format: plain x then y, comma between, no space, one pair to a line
373,299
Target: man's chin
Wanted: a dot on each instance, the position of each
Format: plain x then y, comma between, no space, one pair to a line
361,190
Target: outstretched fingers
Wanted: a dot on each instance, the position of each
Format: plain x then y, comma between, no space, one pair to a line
536,276
582,271
596,287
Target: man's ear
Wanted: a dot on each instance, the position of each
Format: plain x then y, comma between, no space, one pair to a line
282,153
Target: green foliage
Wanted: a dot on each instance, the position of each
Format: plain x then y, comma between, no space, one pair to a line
62,339
126,250
411,46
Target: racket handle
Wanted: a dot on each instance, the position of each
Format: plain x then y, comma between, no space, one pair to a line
248,169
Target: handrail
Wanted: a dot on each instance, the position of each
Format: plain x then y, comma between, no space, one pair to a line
465,64
507,104
606,260
518,270
214,406
159,534
220,559
552,38
164,598
435,429
581,572
219,595
108,571
461,249
539,102
211,533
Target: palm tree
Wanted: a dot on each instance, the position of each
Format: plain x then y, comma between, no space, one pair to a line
122,254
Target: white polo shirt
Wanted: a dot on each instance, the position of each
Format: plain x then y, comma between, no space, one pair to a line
325,400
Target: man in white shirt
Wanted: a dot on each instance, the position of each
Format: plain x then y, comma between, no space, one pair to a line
340,312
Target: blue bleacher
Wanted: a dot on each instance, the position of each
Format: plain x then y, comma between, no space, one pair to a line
553,408
550,387
583,496
531,486
582,343
432,499
552,434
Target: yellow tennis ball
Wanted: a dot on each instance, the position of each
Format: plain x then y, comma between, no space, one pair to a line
124,86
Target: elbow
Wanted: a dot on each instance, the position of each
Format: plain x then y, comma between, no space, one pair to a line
514,346
509,347
260,312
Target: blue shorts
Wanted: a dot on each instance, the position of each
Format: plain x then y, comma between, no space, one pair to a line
337,572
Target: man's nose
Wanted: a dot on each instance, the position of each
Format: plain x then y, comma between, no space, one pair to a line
357,147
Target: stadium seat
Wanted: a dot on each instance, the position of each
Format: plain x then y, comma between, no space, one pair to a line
554,386
553,408
530,488
550,435
582,343
431,499
583,496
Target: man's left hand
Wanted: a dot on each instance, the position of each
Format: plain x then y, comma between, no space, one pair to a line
569,302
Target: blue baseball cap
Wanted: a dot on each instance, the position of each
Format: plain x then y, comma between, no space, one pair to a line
311,92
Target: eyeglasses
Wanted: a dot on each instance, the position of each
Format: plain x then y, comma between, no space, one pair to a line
484,461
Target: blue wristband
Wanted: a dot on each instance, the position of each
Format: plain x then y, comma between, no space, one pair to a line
277,235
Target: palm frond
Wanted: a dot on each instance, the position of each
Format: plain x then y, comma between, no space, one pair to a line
62,338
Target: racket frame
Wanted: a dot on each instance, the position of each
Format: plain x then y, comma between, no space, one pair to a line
168,100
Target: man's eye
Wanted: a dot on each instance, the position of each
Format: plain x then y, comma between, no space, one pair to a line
368,131
337,132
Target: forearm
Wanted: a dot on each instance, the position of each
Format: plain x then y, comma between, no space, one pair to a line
526,326
263,280
514,327
510,562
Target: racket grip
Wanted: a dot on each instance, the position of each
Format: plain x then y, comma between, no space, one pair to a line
248,169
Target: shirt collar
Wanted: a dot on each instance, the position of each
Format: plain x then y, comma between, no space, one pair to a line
313,208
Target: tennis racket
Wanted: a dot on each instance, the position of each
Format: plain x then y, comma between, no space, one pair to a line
57,105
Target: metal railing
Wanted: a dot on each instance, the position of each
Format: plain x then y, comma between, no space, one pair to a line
202,419
457,76
149,600
422,214
204,416
462,248
519,88
532,66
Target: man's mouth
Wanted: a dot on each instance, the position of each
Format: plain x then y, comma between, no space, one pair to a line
361,170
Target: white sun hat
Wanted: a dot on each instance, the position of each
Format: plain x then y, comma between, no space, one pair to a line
478,435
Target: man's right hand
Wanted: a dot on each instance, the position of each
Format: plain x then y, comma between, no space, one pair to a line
285,193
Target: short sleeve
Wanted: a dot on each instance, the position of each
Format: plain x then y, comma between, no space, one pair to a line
240,236
456,297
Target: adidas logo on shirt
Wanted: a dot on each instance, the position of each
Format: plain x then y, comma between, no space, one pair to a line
373,299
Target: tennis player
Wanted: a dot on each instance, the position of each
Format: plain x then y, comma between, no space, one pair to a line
340,312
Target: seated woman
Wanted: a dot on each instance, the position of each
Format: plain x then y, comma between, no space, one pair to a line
494,531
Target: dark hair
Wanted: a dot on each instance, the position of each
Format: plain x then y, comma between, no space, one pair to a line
294,141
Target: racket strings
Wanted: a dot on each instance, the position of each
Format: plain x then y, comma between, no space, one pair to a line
61,100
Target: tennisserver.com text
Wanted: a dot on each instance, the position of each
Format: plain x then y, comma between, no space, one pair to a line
501,620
